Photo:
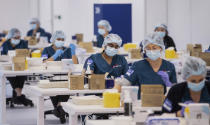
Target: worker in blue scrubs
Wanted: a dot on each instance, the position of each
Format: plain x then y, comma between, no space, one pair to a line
56,52
14,42
151,70
104,28
108,61
35,29
162,30
194,90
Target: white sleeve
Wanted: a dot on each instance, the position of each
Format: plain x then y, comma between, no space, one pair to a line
122,82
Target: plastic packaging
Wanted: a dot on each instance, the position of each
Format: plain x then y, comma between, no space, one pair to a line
127,104
111,99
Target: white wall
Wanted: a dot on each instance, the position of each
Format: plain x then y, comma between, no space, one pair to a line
77,17
15,13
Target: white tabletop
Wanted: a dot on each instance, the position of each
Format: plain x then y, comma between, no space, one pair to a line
69,106
101,122
59,91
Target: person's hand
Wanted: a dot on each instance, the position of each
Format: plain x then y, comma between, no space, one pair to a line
165,78
73,49
57,53
183,108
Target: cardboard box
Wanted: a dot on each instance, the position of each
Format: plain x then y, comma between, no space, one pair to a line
96,82
152,100
22,52
135,53
79,37
76,82
31,40
206,57
152,95
194,50
18,63
88,46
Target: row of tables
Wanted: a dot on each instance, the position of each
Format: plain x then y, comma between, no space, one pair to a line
41,93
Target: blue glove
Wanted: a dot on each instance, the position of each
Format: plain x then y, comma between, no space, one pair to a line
183,108
57,53
165,78
73,48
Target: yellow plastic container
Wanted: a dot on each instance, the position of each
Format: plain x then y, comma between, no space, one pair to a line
111,100
35,55
129,46
170,54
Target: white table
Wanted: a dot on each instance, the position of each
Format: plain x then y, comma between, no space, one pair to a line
75,110
4,74
40,93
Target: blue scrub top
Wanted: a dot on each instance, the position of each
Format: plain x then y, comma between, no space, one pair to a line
40,30
7,45
204,98
99,65
209,48
100,41
49,52
141,72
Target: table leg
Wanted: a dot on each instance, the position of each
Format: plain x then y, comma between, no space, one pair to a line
3,100
40,111
73,119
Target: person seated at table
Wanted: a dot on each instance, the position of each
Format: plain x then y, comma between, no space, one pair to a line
13,42
104,28
194,90
56,52
151,70
108,61
162,30
35,28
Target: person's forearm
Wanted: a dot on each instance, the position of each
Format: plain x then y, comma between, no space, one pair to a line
74,59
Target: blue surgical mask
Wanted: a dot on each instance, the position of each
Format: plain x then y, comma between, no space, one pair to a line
15,41
162,34
111,51
153,54
33,26
101,31
196,87
59,44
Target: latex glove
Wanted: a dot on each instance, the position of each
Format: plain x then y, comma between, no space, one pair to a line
183,108
165,78
57,54
73,49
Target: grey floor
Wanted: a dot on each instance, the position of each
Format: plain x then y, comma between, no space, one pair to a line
21,115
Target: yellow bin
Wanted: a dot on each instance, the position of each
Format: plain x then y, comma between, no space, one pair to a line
36,55
170,54
111,100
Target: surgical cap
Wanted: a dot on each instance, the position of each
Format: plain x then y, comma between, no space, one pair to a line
161,26
35,20
153,38
112,38
56,35
193,66
14,32
106,24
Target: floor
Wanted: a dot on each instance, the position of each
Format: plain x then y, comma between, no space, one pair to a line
21,115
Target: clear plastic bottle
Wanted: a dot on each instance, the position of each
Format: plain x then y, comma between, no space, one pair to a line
127,104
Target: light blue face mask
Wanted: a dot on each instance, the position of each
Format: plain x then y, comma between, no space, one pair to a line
153,54
15,41
196,87
111,51
101,31
33,26
59,44
161,34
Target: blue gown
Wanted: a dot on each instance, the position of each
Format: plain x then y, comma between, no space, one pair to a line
40,30
8,46
49,52
99,65
141,72
100,41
